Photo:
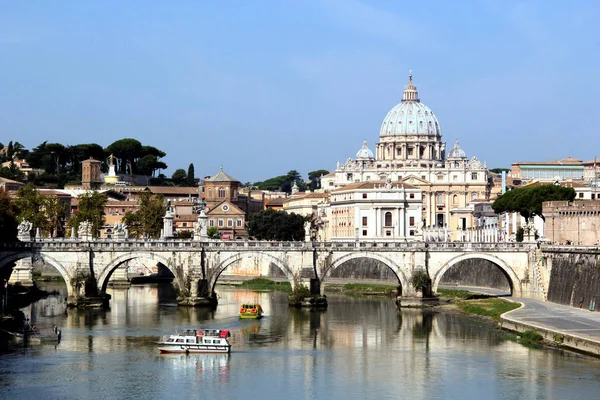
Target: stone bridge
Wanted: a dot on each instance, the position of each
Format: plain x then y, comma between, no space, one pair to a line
198,265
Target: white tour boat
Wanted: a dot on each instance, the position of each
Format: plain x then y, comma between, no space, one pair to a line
197,341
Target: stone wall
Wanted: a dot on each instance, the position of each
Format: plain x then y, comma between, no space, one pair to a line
364,268
476,272
575,280
576,223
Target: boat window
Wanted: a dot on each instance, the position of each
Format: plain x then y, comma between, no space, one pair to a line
171,340
179,340
191,341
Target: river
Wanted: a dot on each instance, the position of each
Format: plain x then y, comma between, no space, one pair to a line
357,349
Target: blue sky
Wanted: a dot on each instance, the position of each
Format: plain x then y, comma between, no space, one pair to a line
263,87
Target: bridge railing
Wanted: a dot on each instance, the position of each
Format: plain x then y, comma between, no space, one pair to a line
141,244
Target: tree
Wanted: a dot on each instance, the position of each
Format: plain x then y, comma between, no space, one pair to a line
179,177
30,204
55,212
91,209
126,151
147,221
191,179
527,201
315,178
283,183
277,225
213,233
8,218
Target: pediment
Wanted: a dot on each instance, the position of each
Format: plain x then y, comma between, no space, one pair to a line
415,180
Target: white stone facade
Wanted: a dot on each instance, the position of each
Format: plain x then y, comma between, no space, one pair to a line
411,151
376,211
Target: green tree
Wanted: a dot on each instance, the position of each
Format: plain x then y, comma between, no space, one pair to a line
30,204
283,183
213,233
126,151
191,179
147,221
315,178
527,201
276,225
179,177
55,212
8,218
91,209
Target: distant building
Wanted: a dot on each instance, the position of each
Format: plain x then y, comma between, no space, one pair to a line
7,185
22,166
91,174
376,210
524,172
575,223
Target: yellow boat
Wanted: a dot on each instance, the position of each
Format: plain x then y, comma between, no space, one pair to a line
251,310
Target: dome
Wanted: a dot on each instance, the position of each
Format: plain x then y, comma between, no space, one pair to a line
457,152
364,152
410,117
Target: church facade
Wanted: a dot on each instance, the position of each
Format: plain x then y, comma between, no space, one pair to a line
411,151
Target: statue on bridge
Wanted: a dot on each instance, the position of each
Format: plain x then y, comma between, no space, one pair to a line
24,230
120,231
84,232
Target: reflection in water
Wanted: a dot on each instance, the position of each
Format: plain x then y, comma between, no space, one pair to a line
357,348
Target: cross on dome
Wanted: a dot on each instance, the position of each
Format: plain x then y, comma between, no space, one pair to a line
410,90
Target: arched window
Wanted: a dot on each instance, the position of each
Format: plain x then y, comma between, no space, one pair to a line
455,199
388,219
221,192
473,196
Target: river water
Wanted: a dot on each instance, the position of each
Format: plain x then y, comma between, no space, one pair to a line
357,349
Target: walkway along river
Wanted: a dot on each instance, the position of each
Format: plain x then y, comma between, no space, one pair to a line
358,348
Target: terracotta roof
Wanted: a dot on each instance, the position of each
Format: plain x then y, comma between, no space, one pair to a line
221,177
187,218
564,161
173,190
309,195
275,202
125,203
374,185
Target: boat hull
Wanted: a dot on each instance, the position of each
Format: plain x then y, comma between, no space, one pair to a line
166,348
250,316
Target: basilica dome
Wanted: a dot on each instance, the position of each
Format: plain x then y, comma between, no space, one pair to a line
364,152
410,117
457,151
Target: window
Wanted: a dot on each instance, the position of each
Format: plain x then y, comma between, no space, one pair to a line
474,176
411,221
411,233
388,233
455,199
364,221
184,224
230,223
440,177
238,223
221,192
581,195
364,232
349,176
398,151
454,178
364,195
456,165
211,222
409,151
440,199
411,195
220,223
388,219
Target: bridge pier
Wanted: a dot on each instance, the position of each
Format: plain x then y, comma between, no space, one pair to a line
199,295
22,272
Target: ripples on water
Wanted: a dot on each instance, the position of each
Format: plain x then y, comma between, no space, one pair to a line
357,349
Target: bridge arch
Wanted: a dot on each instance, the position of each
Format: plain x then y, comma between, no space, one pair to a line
509,273
11,257
225,263
106,272
402,279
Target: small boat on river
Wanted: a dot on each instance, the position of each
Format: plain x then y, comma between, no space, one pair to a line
197,341
253,311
